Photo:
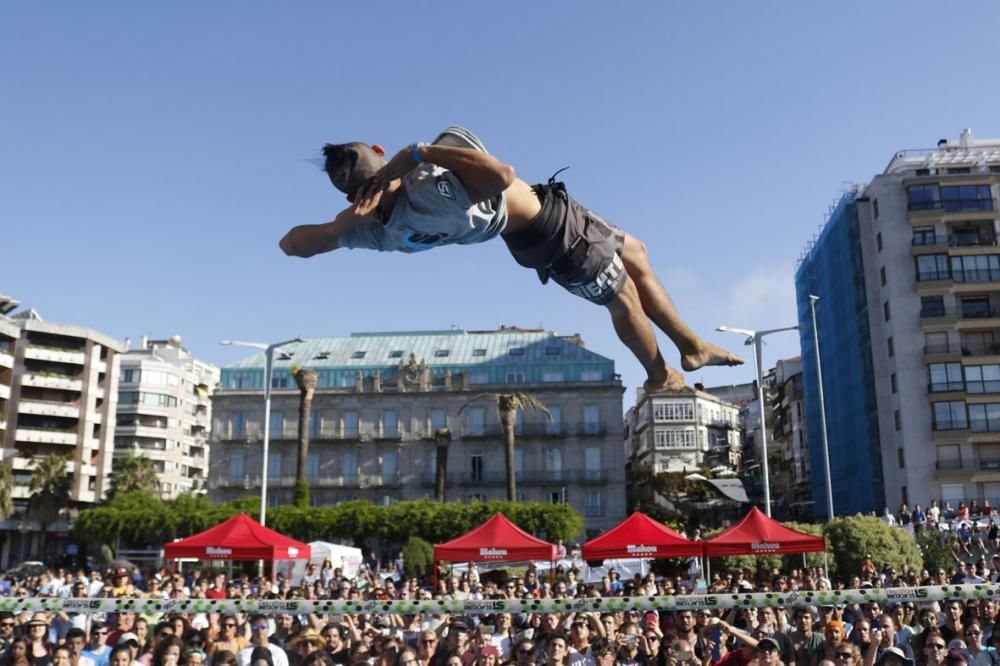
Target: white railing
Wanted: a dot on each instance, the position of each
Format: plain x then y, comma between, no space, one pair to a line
45,436
54,355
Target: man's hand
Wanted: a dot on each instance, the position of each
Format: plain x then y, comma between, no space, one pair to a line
401,164
366,201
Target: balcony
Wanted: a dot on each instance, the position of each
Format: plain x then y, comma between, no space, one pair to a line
55,354
6,360
151,432
48,408
989,464
930,313
52,381
41,436
945,387
527,478
4,392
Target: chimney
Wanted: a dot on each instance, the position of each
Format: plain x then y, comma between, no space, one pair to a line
143,342
698,386
128,344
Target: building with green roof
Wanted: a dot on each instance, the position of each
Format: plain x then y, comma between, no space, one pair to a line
381,396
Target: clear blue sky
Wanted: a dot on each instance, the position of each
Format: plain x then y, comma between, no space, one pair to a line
152,154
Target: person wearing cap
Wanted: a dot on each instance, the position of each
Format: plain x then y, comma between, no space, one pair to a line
453,191
767,621
39,649
131,641
894,656
768,652
260,630
487,655
307,641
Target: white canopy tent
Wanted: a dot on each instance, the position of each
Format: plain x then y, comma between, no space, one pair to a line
345,558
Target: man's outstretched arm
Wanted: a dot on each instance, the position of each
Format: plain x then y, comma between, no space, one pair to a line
307,240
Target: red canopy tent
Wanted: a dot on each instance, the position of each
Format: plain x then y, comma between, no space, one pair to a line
496,540
639,536
239,538
757,534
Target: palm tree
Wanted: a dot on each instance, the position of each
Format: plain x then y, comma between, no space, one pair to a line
442,440
508,405
305,379
133,472
50,486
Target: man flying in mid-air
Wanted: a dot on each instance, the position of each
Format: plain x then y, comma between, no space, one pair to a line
454,191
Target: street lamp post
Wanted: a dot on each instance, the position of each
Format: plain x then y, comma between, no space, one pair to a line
754,338
268,369
822,411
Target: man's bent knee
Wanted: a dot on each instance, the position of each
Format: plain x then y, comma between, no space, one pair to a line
626,300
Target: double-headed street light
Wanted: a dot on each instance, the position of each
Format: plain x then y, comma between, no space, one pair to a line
754,338
268,369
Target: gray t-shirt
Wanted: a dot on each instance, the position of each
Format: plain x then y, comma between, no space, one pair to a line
433,209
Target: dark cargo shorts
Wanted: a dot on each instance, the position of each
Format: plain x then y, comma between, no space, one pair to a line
572,245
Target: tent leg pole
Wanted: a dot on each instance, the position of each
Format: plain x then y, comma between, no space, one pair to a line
826,566
708,570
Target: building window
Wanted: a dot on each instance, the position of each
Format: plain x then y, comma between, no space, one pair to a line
932,306
900,458
905,495
892,382
885,311
236,466
475,421
277,425
957,198
515,377
238,425
984,418
593,504
950,416
396,353
945,377
390,423
924,236
889,345
274,465
516,351
590,376
349,466
553,464
553,425
390,462
350,426
592,419
875,207
932,267
315,423
674,438
518,460
476,466
128,375
479,377
878,240
349,380
881,275
897,420
923,197
358,355
442,353
673,411
312,466
982,378
279,380
976,268
592,463
479,352
439,419
553,351
553,376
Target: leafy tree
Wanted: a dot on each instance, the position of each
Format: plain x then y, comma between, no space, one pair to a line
418,557
6,490
306,379
442,441
936,553
508,405
50,486
851,538
134,472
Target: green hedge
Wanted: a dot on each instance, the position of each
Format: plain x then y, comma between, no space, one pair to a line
141,518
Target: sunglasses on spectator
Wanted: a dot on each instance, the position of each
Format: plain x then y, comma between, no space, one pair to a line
937,646
973,633
844,655
260,627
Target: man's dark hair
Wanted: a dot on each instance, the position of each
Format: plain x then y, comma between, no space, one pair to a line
76,632
97,626
350,165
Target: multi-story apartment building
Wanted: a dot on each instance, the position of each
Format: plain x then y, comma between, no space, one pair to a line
788,446
382,396
908,274
686,430
165,412
62,393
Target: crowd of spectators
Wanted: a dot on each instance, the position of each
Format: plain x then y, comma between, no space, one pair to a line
934,634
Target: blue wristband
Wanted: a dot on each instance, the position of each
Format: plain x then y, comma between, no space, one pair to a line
415,151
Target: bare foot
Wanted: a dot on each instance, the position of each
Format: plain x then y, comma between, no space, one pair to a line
674,382
709,354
